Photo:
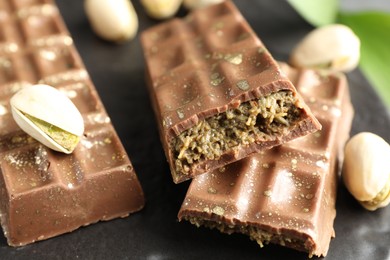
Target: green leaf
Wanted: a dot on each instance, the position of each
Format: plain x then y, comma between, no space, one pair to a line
317,12
373,29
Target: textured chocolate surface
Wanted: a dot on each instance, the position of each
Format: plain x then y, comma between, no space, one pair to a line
204,65
285,195
118,74
44,193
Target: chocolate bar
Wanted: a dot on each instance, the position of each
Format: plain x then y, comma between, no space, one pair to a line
217,93
285,195
44,193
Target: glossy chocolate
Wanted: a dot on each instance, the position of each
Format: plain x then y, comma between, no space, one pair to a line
44,193
285,195
205,64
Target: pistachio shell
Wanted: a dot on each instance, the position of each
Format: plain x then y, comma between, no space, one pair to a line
161,9
366,170
194,4
49,106
333,46
112,20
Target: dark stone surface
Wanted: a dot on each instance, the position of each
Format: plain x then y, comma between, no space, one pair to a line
154,232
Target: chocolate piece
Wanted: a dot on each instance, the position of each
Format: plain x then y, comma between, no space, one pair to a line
285,195
44,193
218,94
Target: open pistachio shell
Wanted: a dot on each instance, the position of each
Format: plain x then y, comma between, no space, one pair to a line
49,116
332,46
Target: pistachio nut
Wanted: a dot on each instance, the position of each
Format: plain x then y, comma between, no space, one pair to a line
366,170
114,21
194,4
332,46
161,9
49,116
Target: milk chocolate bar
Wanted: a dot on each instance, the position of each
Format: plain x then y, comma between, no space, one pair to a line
217,93
44,193
285,195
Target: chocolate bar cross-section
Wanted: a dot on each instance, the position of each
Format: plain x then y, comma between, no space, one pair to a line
217,93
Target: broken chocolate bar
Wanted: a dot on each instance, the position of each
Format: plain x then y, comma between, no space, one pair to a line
285,195
44,193
217,93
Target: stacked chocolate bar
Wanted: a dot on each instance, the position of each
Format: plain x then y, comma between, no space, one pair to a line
230,116
285,195
44,193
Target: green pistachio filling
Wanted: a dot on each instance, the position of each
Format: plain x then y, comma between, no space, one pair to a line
262,119
382,196
65,139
